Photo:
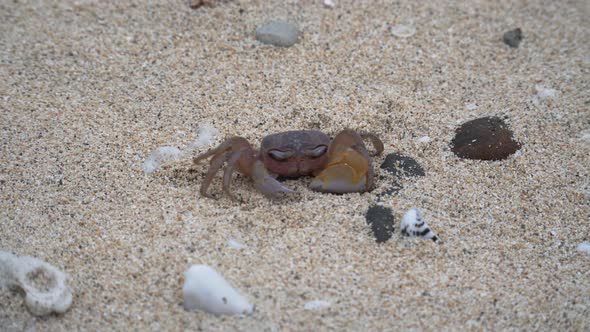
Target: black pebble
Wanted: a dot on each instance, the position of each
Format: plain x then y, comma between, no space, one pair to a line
381,220
399,165
513,38
486,138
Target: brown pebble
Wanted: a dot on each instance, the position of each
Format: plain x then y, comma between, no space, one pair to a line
486,138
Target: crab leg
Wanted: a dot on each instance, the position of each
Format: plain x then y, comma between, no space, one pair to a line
265,183
227,145
214,166
376,141
229,169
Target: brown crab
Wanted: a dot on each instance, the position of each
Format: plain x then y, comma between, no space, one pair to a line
341,165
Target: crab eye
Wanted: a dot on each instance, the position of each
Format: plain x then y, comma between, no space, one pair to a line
279,155
316,152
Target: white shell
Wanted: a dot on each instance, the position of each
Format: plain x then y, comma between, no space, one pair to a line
316,305
584,247
205,289
403,31
413,224
424,139
329,3
236,244
28,273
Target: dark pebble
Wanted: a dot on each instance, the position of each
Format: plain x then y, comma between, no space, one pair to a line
513,38
399,165
381,220
486,138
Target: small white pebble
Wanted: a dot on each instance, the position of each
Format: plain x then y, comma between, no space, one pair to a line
159,157
235,244
471,107
329,3
584,247
403,31
545,93
316,305
424,139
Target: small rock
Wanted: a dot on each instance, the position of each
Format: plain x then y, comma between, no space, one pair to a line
381,220
399,165
278,33
485,139
513,38
413,224
195,4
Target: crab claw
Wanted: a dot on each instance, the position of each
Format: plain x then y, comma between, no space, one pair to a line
345,173
265,183
339,179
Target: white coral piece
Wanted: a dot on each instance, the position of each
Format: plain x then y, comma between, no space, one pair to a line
165,154
44,285
205,289
413,224
205,136
159,157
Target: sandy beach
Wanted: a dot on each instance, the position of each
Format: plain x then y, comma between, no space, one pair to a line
88,89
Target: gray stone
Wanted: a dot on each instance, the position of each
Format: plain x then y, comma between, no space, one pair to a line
278,33
513,38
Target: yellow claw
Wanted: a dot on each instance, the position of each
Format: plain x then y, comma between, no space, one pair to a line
346,172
